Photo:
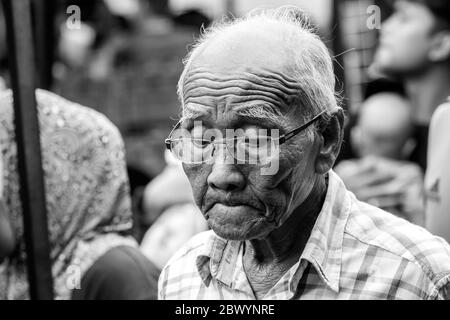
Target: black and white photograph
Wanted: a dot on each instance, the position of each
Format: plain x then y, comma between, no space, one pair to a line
248,151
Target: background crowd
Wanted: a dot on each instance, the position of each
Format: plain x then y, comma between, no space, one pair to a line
119,205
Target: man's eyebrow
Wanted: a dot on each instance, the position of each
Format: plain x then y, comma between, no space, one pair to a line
264,113
191,113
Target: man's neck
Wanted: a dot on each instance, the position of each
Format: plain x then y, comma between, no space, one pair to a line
427,91
265,261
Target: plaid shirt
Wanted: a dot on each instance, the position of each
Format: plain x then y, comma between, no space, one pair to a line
355,251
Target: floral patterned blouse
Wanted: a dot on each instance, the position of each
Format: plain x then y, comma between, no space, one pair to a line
86,185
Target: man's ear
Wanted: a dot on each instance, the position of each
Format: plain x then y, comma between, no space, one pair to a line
332,134
440,47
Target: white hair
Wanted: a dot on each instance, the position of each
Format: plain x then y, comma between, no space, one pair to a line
312,63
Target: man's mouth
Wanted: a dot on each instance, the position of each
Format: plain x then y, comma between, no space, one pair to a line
232,204
237,208
231,209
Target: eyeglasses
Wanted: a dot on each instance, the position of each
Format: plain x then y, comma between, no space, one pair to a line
256,149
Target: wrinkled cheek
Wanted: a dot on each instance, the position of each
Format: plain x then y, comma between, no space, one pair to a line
197,175
274,192
287,186
266,179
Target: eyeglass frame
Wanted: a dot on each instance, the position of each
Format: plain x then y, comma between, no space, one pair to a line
282,139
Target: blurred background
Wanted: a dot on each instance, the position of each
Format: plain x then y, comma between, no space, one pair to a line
123,58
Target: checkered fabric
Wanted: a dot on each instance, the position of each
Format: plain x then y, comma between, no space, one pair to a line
355,251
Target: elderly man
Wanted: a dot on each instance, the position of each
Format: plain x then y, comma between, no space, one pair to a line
294,232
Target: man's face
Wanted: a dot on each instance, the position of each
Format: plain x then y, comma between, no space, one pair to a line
405,39
229,83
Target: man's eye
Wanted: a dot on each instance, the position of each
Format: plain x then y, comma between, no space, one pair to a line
197,132
200,143
254,143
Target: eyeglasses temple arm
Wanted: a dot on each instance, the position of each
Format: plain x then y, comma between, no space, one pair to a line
296,131
168,140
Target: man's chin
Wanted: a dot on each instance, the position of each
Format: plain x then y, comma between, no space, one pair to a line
237,235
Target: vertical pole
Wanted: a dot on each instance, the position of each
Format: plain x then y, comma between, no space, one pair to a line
22,69
44,40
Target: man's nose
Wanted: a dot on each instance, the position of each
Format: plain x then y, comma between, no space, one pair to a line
226,177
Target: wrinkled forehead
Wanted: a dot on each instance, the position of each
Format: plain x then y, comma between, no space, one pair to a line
241,71
253,94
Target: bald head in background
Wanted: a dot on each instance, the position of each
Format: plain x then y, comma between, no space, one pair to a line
384,127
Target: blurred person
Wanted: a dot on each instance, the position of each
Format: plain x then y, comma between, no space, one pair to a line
437,179
415,48
170,187
171,213
122,273
88,205
173,229
7,241
283,226
75,45
103,32
382,138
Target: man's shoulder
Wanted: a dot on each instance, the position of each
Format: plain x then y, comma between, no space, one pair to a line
187,254
181,274
402,240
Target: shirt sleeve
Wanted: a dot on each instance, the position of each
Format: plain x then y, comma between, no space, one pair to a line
161,284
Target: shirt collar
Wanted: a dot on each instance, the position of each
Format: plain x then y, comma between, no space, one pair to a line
323,250
324,247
